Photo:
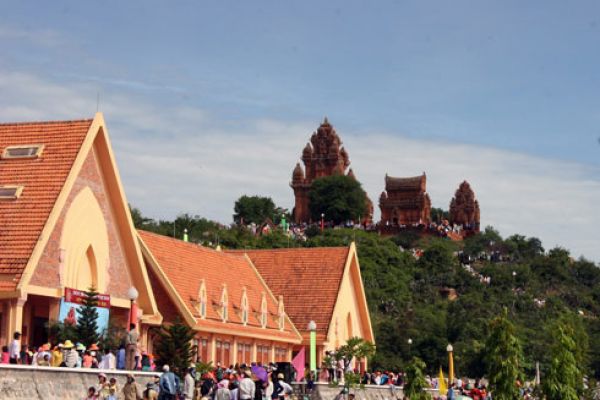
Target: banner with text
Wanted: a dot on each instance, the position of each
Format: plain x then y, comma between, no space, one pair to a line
74,300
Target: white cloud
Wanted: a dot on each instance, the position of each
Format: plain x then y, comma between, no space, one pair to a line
183,160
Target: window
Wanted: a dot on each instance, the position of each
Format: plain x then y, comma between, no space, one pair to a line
224,304
262,354
244,353
263,311
202,299
10,192
281,313
23,151
203,349
223,352
244,307
280,354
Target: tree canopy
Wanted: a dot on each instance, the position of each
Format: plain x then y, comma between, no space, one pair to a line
341,198
439,299
257,209
503,358
87,319
174,347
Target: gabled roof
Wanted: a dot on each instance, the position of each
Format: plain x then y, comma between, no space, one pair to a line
23,219
413,183
182,267
309,279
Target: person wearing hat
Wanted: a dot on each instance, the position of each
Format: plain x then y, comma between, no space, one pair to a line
80,348
14,349
56,356
151,392
131,390
103,388
113,389
71,357
283,388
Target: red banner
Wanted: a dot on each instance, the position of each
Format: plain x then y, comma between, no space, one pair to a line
79,296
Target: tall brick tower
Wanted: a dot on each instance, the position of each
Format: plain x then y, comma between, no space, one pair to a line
323,156
464,208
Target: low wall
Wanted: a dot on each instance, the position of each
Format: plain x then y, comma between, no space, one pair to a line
324,391
19,382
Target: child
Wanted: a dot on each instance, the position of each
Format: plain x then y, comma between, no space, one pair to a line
113,389
91,394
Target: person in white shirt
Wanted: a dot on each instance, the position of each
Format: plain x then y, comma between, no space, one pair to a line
189,384
247,386
287,389
109,361
14,350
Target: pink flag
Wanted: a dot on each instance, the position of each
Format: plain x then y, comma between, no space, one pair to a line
298,363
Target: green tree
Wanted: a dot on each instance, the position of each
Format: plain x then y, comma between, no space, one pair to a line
113,336
174,347
438,214
355,347
87,319
339,197
139,221
255,209
564,378
503,358
58,332
415,385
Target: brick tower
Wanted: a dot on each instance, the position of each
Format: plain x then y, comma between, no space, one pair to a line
323,156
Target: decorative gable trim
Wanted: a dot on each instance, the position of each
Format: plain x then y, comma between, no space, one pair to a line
97,135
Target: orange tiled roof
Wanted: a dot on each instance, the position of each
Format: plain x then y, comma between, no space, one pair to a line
187,264
309,279
22,220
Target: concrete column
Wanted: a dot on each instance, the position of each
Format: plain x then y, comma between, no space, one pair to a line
253,356
234,350
53,309
15,316
212,352
144,336
272,357
26,322
4,335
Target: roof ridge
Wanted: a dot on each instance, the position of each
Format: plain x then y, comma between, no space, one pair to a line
291,249
46,122
191,245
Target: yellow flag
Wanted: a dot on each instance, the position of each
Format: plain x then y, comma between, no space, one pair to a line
442,389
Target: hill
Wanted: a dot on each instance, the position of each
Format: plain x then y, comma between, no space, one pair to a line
435,291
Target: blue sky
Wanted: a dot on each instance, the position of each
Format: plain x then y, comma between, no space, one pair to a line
409,85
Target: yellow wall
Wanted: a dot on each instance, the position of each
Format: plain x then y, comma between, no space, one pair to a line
348,314
85,241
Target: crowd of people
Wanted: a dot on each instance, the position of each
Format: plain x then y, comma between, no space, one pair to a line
76,355
243,382
237,382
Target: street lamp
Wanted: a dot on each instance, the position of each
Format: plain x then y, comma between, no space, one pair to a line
322,221
409,341
450,349
133,294
312,327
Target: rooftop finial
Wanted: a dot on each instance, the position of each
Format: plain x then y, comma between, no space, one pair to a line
325,121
